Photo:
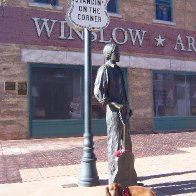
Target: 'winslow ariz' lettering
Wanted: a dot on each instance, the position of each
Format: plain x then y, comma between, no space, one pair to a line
90,2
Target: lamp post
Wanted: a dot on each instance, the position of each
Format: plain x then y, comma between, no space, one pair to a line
88,175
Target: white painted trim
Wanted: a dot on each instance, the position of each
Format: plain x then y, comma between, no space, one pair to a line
77,58
44,56
164,22
114,15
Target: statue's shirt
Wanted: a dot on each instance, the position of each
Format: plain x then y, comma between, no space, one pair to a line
110,85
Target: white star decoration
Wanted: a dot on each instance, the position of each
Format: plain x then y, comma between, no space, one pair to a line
160,40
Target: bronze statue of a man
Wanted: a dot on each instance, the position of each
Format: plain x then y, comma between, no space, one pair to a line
110,90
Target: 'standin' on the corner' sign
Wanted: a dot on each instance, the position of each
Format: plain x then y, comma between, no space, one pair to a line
90,14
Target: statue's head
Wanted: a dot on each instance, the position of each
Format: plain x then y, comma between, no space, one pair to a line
110,52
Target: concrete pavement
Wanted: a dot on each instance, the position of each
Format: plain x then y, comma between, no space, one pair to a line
168,174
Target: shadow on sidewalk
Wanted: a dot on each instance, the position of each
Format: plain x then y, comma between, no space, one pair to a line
172,188
165,175
175,188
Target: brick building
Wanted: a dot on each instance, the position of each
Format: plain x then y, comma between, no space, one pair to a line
41,66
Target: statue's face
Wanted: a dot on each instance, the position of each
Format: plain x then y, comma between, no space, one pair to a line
115,57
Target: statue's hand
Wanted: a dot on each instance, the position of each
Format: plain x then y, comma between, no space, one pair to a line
119,106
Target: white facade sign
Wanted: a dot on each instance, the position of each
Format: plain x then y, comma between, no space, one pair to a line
91,14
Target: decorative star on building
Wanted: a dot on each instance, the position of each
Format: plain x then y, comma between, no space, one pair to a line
160,40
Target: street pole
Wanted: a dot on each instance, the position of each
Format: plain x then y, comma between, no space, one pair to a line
88,174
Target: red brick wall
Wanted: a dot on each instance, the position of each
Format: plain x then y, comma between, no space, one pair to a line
13,107
140,96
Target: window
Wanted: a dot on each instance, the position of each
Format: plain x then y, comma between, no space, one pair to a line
112,6
174,94
164,10
98,110
191,83
57,94
52,2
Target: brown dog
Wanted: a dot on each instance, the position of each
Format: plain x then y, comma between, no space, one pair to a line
115,189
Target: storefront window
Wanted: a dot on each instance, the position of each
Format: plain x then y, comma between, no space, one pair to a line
98,110
58,93
174,94
164,10
55,93
191,82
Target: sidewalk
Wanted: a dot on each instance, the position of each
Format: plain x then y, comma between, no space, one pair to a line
165,162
